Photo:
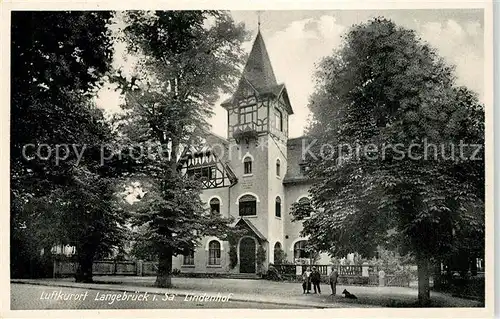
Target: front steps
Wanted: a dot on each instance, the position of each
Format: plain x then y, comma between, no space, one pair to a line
242,276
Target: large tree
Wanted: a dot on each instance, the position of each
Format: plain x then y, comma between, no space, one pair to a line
185,59
382,91
58,62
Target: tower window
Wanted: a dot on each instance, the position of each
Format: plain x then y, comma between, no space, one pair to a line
278,167
215,205
247,165
246,114
248,206
278,120
278,207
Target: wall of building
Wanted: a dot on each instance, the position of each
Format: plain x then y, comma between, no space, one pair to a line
254,184
201,257
220,193
294,192
273,128
292,228
277,151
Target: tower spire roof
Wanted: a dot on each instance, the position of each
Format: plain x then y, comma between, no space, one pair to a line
258,70
258,75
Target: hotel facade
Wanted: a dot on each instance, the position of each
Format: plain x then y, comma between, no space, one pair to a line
254,175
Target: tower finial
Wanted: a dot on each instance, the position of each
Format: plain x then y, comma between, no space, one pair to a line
258,20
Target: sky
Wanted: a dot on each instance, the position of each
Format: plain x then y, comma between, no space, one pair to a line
297,40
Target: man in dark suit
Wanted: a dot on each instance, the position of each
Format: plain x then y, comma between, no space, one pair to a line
334,275
316,279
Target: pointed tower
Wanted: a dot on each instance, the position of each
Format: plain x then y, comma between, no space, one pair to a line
259,105
258,69
258,114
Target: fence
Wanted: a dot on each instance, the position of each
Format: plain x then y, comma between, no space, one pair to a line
63,268
324,270
348,274
397,281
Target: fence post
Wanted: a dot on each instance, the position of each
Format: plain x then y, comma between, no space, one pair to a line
54,267
298,270
364,270
381,278
138,267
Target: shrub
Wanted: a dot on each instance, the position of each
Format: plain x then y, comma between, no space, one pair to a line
280,257
273,274
261,258
233,257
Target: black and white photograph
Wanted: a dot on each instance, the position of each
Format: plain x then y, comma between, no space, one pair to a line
250,159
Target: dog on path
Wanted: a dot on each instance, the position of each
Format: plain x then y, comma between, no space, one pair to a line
348,295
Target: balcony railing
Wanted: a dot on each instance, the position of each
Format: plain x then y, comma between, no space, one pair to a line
245,131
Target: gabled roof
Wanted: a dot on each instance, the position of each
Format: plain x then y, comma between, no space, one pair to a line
242,222
210,139
295,159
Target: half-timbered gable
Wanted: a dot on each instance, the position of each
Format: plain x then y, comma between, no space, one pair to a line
204,163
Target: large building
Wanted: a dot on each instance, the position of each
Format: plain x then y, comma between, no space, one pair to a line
255,175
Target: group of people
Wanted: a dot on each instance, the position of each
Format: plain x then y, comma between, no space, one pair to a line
314,277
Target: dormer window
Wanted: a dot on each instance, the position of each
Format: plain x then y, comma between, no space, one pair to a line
304,168
247,165
208,173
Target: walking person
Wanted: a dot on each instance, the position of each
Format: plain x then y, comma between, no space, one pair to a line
306,281
334,275
316,279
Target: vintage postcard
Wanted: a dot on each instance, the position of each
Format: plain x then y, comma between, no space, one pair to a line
330,160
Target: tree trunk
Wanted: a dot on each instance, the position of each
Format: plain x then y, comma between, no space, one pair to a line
164,275
473,265
84,267
47,262
437,276
424,295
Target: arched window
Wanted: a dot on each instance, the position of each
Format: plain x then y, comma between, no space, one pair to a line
278,253
247,165
215,205
214,253
278,167
248,205
277,207
299,250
